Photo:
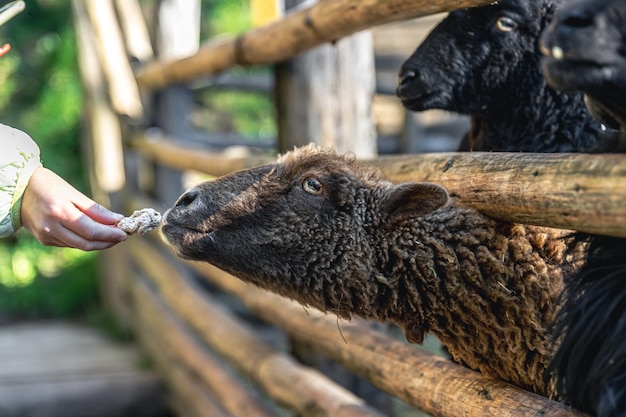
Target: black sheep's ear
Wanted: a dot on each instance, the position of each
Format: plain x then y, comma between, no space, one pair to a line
413,199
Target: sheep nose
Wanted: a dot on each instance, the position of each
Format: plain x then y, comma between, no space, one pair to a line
187,198
405,78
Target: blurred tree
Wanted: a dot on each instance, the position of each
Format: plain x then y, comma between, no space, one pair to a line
41,95
246,113
224,16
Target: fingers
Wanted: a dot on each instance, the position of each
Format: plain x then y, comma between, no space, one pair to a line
97,212
69,239
80,232
57,214
87,230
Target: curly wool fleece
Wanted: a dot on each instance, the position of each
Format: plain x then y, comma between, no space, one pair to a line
328,232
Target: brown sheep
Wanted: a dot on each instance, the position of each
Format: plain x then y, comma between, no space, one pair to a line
331,233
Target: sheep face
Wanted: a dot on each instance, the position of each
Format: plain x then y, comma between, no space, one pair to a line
304,227
470,60
585,50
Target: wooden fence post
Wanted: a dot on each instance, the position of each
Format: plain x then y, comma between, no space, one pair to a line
178,35
325,96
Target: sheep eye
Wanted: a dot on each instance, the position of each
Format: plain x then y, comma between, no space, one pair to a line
312,186
505,24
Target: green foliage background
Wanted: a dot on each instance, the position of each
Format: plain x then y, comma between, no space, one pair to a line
41,94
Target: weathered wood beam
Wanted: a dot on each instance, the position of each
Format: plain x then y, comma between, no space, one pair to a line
297,387
172,345
324,95
584,192
134,29
173,155
103,141
426,381
112,55
184,389
325,21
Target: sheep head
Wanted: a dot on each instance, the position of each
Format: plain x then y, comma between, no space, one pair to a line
585,50
469,61
305,227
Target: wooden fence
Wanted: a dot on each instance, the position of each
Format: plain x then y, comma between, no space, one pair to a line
206,331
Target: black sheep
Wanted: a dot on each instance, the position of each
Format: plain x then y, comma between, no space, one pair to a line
585,50
485,62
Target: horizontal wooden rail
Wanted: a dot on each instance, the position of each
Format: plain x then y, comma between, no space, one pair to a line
302,389
326,21
167,152
424,380
584,192
173,347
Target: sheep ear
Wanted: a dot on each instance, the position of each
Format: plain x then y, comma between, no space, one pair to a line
413,199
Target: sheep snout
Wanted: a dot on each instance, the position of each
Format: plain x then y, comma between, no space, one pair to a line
187,198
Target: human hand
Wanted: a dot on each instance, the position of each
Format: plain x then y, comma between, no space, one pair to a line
57,214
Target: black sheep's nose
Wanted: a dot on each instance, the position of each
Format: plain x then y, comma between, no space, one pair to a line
187,198
405,78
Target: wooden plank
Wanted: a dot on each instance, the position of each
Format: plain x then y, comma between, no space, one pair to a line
584,192
103,396
134,29
77,352
297,387
164,151
326,21
185,388
116,278
104,139
174,346
177,35
324,96
111,51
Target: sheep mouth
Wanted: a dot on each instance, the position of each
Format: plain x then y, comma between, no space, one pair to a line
180,236
187,243
421,102
174,229
571,68
577,74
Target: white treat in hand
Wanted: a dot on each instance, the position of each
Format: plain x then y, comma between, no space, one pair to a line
140,222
